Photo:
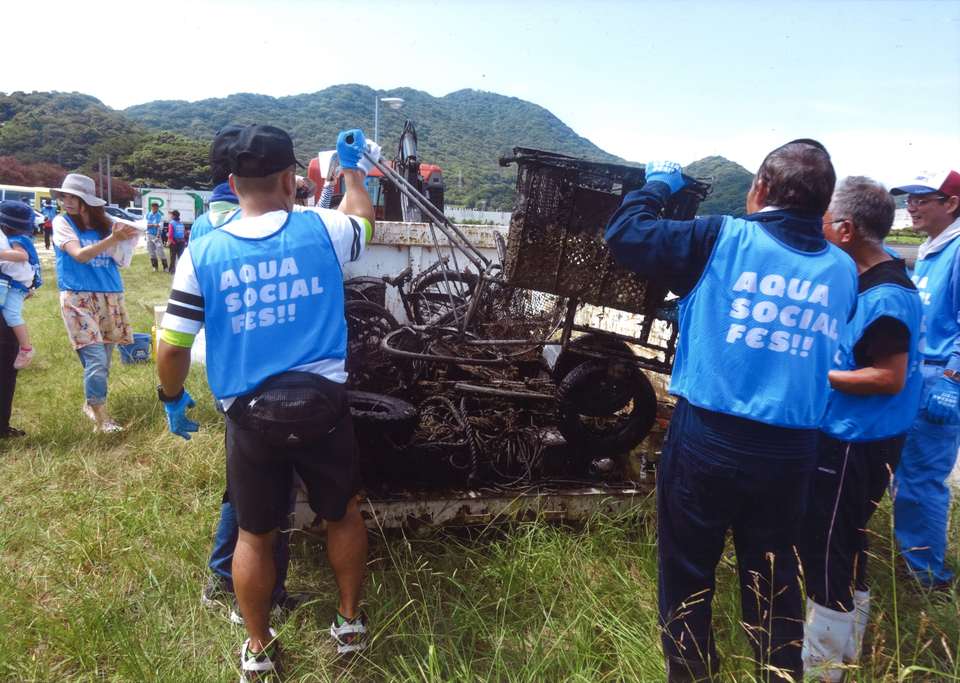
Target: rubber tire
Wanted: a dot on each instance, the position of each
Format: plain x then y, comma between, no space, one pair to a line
358,314
588,376
437,278
365,288
570,358
359,310
383,415
370,307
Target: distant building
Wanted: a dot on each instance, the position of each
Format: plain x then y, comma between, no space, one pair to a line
901,220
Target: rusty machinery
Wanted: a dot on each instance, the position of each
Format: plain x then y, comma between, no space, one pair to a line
462,396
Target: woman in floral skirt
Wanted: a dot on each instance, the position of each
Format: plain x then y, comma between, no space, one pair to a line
90,250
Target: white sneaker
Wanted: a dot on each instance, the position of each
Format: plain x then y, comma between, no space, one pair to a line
350,636
259,667
108,426
23,358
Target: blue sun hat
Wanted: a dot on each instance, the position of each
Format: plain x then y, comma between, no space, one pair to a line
17,216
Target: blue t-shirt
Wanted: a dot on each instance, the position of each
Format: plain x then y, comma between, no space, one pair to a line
154,223
99,274
676,253
269,304
178,230
936,277
887,298
759,331
32,258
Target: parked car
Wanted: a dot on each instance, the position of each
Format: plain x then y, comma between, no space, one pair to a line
117,212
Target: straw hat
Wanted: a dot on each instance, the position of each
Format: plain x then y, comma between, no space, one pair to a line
79,186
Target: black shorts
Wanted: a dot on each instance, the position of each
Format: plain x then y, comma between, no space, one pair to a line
259,474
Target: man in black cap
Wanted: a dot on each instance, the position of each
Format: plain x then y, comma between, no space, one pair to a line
223,202
268,288
218,589
155,229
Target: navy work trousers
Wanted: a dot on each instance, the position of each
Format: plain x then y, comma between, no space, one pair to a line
848,484
9,347
701,495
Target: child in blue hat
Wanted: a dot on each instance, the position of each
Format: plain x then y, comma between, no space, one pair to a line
19,272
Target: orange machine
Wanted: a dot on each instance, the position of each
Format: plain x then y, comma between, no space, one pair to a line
387,199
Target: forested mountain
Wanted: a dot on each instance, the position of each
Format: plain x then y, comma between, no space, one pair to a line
165,143
465,132
74,130
731,181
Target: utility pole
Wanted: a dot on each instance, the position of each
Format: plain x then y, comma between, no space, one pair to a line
109,183
100,175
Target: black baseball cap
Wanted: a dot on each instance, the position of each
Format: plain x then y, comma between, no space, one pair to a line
260,151
220,151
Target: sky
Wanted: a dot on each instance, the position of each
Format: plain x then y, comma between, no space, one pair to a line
877,82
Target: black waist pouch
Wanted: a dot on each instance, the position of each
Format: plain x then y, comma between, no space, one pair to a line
293,408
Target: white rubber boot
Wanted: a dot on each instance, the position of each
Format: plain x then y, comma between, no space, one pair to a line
861,611
825,637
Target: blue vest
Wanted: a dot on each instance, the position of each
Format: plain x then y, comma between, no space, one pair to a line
204,225
32,258
179,231
851,417
154,223
270,304
99,274
759,330
932,276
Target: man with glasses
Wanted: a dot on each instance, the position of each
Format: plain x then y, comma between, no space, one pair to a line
921,492
875,392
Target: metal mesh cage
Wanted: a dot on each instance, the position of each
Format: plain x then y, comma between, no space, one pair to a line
556,241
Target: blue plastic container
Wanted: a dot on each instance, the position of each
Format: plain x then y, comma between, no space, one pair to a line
138,351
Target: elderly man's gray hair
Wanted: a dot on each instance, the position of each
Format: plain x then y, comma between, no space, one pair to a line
867,204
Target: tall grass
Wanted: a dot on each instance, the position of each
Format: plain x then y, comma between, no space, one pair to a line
104,539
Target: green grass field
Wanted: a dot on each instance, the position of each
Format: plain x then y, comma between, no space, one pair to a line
104,540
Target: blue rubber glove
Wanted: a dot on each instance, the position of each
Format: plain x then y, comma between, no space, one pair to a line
668,172
943,402
351,152
177,420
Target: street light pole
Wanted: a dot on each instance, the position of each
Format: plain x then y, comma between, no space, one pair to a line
392,102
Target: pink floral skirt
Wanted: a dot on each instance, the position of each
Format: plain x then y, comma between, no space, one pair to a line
95,318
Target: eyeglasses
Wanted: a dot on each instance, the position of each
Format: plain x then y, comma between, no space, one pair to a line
923,201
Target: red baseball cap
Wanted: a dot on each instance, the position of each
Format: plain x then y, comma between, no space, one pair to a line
946,183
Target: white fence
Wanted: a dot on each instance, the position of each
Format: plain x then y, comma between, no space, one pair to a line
458,214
